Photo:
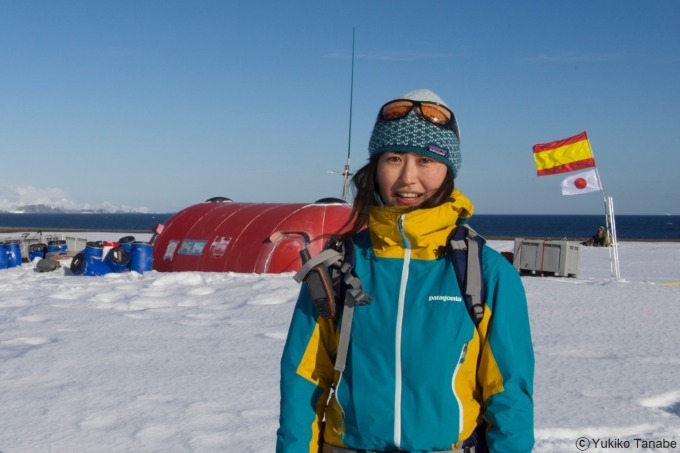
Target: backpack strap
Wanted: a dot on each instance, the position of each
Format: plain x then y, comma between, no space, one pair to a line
351,288
327,257
466,252
332,283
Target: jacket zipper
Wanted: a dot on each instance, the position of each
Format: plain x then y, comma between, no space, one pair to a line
400,321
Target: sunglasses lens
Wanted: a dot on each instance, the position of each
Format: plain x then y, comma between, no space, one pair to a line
395,110
435,113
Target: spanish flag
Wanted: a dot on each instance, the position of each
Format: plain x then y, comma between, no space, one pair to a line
563,156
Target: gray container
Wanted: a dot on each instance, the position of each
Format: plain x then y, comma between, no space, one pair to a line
537,256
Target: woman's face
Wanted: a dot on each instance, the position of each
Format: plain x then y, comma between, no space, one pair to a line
408,179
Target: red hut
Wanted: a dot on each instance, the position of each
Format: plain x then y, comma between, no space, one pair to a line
222,236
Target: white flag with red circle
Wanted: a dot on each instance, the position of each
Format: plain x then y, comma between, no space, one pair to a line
579,183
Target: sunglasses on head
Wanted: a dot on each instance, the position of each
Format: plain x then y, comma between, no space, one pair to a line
437,114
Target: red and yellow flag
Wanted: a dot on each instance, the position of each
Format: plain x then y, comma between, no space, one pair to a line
563,156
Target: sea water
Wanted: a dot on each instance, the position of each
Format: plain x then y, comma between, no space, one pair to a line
654,227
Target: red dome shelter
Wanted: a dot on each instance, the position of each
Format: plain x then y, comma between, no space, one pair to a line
223,236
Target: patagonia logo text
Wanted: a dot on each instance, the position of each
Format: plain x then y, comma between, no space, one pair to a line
445,299
438,150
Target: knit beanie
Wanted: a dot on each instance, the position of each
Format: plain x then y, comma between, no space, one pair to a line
415,134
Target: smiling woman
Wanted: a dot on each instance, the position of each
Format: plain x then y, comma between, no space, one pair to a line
420,373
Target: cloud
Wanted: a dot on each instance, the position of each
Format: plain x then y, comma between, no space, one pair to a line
13,197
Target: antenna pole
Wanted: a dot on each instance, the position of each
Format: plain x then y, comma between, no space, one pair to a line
346,173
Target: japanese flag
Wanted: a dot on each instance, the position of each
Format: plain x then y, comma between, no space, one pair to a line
579,183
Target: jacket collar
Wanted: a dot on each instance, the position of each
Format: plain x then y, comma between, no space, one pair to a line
423,231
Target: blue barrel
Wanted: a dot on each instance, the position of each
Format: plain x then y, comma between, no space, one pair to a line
13,252
56,247
3,256
88,265
126,243
142,257
94,249
117,260
36,251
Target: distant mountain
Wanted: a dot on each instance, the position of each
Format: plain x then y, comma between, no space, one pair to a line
44,209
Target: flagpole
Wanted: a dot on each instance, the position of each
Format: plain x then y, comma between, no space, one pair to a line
613,245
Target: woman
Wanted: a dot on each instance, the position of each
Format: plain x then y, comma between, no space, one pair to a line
420,376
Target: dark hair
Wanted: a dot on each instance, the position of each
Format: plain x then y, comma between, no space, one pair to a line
364,181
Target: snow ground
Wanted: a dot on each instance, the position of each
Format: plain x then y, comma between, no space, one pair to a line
180,362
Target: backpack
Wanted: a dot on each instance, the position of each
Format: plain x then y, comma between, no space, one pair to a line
330,274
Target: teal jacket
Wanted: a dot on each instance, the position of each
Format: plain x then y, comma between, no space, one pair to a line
419,375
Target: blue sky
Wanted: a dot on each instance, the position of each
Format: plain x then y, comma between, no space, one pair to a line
163,104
